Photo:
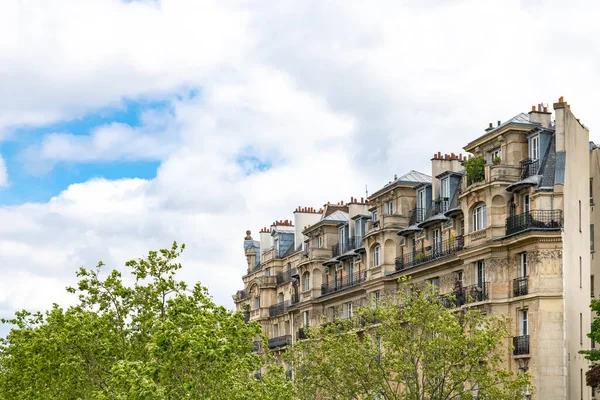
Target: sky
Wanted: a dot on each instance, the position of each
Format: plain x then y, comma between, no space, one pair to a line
127,125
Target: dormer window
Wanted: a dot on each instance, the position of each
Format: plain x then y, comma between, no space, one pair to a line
421,205
534,147
445,188
358,228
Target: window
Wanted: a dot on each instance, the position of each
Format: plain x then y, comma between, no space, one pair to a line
526,203
435,282
377,256
268,272
389,208
445,188
342,230
305,246
523,323
437,241
306,281
306,319
275,330
479,218
523,265
591,190
351,270
494,154
280,297
358,228
534,147
257,302
376,296
459,277
348,310
480,273
374,215
421,206
592,237
319,242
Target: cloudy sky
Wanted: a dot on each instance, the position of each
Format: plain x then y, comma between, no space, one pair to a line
125,125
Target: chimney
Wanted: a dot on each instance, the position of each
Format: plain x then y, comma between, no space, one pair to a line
499,122
540,115
489,128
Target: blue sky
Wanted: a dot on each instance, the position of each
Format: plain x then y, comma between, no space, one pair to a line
28,187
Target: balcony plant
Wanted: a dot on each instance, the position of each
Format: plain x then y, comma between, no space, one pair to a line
497,160
420,256
475,169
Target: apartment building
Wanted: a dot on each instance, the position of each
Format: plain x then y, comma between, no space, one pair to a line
512,236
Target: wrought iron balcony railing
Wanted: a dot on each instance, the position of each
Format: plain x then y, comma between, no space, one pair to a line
534,220
465,295
416,215
346,282
521,345
280,341
520,286
352,243
286,276
430,253
279,308
529,168
438,206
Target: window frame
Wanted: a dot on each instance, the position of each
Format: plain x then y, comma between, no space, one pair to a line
320,241
377,255
534,147
524,322
480,273
306,281
523,265
479,218
390,207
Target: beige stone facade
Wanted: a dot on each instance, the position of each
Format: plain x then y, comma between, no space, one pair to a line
515,241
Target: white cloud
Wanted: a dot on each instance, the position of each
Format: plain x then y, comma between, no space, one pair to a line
332,96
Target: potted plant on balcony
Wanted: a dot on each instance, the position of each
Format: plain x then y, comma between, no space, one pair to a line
475,169
420,256
496,160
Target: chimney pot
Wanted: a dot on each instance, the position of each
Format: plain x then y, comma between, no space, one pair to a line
545,109
439,154
362,199
561,99
490,125
499,122
539,107
532,108
569,106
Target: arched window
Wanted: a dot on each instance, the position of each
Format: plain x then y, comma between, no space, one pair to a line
479,218
306,281
376,255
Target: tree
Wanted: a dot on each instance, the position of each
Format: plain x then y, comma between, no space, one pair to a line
593,373
410,347
475,169
153,339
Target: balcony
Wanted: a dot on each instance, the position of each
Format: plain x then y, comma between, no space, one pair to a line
542,220
466,295
431,253
529,168
435,212
520,286
286,276
353,243
346,282
521,345
279,308
280,341
416,215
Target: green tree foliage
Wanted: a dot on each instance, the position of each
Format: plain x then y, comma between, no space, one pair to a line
475,169
410,348
593,374
156,338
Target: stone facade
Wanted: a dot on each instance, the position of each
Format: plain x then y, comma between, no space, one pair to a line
516,242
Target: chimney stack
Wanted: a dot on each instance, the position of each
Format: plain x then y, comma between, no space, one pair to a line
489,128
539,114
